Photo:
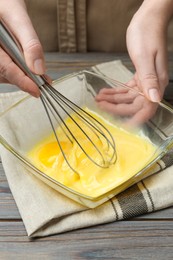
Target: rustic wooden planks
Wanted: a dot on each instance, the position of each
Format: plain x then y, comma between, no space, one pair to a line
121,240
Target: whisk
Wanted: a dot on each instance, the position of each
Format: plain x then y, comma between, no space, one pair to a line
91,129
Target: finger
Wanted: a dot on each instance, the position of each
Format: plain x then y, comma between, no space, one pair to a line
142,116
48,79
118,98
132,83
12,73
3,80
147,75
162,69
119,109
113,90
109,94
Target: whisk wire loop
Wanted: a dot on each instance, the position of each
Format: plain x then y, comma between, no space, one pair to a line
48,92
53,101
75,108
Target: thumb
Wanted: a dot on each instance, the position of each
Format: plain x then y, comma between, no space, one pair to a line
149,84
32,50
24,32
147,78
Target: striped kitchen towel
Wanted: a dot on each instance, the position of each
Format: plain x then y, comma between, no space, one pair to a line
46,212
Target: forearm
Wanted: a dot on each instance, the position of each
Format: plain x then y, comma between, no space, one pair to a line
161,9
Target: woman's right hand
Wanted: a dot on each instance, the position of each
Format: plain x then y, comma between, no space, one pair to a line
14,14
146,44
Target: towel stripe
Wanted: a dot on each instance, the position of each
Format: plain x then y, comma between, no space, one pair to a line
168,158
147,196
132,202
115,210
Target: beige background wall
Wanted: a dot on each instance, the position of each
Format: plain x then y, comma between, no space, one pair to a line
84,25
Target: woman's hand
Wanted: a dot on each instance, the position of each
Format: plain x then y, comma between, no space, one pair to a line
14,14
146,43
127,103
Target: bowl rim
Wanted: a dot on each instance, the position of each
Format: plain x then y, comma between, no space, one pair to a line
42,174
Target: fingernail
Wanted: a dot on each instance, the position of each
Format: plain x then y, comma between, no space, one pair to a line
154,95
39,66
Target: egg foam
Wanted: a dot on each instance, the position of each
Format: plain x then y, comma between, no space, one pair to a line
134,152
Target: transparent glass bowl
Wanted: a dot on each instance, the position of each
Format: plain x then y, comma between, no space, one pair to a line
25,124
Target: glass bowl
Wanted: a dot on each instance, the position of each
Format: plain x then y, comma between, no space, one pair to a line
25,124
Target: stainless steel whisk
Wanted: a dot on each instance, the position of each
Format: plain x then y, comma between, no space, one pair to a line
53,101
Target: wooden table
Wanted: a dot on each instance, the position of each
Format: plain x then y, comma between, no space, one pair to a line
146,237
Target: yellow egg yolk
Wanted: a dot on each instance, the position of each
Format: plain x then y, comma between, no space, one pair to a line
133,153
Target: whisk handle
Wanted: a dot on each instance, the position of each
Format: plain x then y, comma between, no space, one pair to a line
8,43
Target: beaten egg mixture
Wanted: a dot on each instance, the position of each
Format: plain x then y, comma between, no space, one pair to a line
133,153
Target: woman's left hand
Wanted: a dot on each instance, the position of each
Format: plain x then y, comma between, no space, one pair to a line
127,103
